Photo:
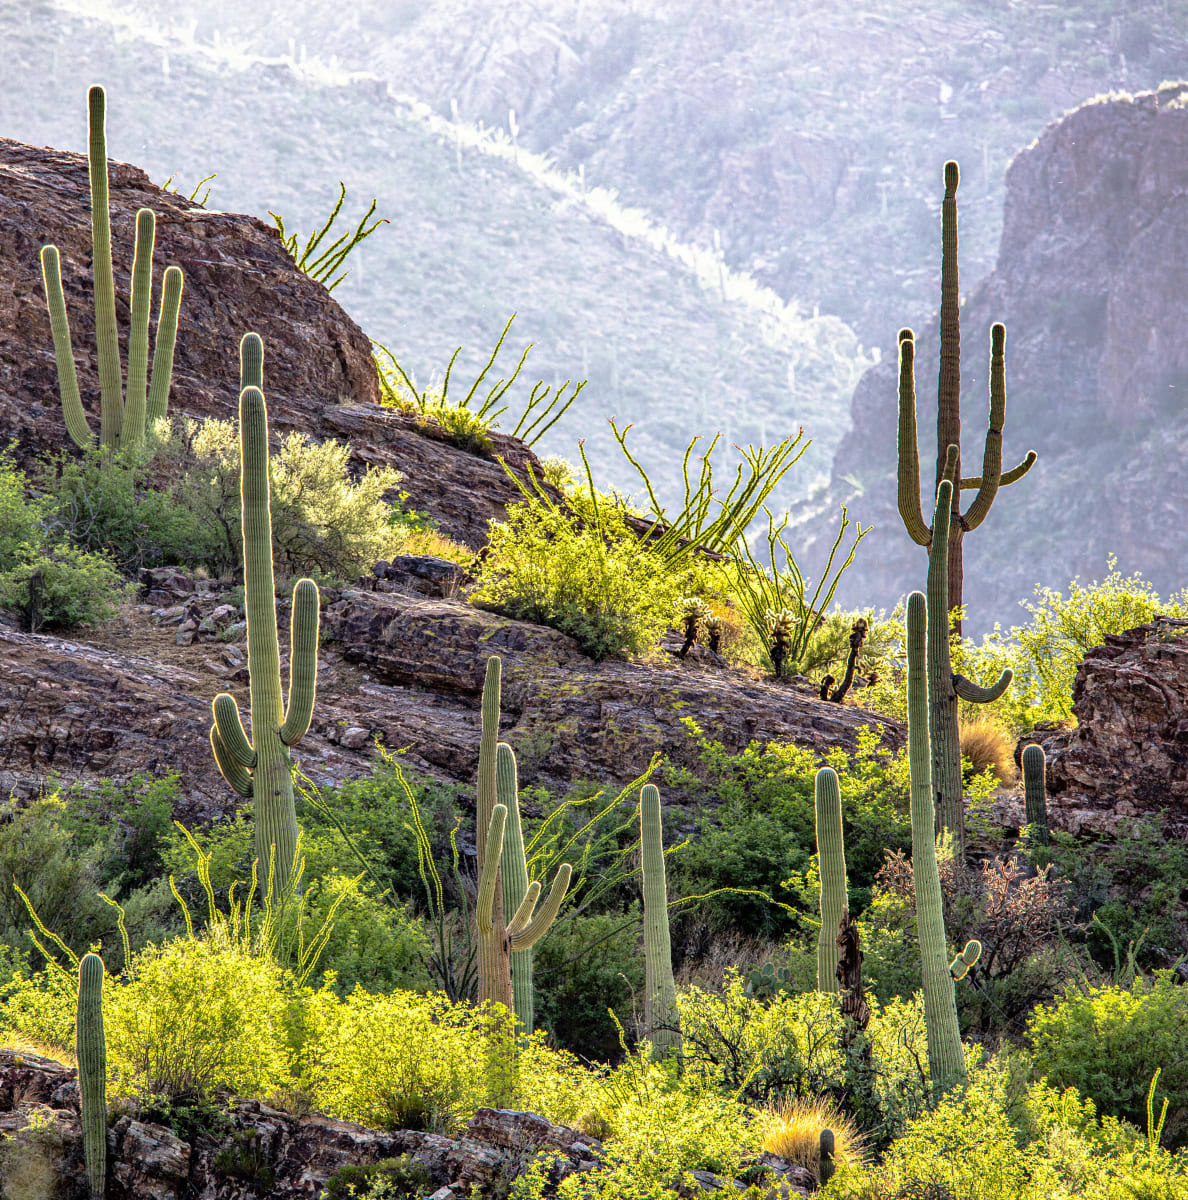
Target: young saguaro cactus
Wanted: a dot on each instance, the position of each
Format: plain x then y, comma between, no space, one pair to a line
90,1047
1035,793
831,854
122,421
261,768
660,1008
946,1059
948,423
513,865
944,687
499,939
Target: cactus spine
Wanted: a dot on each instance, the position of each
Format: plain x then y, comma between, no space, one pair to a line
660,1010
91,1049
831,854
262,767
946,1059
499,939
122,422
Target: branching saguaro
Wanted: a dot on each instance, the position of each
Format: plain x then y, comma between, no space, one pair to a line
123,420
948,419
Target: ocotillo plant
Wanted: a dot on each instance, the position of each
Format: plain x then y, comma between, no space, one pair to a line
660,1009
946,1059
91,1048
1035,794
948,422
831,856
944,687
122,421
500,939
262,768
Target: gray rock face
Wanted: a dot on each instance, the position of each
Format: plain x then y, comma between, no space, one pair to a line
1089,285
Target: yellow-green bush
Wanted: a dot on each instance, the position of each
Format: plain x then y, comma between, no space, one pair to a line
200,1015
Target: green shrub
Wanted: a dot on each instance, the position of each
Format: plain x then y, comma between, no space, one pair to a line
40,1008
199,1016
322,520
402,1178
1108,1042
22,520
61,586
605,590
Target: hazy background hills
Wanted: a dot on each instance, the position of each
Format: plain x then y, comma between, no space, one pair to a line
791,147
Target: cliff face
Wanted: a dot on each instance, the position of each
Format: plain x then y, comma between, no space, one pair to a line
1090,282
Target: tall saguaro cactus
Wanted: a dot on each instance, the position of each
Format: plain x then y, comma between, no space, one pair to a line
262,768
946,1059
944,687
90,1046
122,420
948,421
500,939
660,1008
831,855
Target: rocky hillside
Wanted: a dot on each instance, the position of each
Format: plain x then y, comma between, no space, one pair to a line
1090,283
402,661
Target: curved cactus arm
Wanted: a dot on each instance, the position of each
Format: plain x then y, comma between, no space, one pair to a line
91,1048
110,374
547,914
977,694
513,864
1008,477
136,402
523,913
489,876
908,473
251,361
230,770
162,376
303,661
965,962
992,450
231,732
72,409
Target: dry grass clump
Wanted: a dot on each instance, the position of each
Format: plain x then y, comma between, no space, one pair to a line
436,545
986,744
793,1132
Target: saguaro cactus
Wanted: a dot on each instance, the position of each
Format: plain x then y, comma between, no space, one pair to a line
946,1059
948,423
500,939
262,768
660,1008
514,872
91,1049
944,687
1035,792
122,422
831,855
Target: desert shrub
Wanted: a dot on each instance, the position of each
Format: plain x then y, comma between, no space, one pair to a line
986,745
403,1178
602,588
199,1015
758,829
60,586
322,520
40,1008
792,1129
401,1061
129,507
829,646
1109,1041
22,519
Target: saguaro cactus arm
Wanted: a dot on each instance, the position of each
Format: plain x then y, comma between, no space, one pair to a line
72,409
229,726
231,771
908,474
136,403
525,937
489,875
163,347
303,661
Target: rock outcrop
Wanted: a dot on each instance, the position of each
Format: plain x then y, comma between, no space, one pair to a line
1127,758
319,374
395,665
260,1150
1089,284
